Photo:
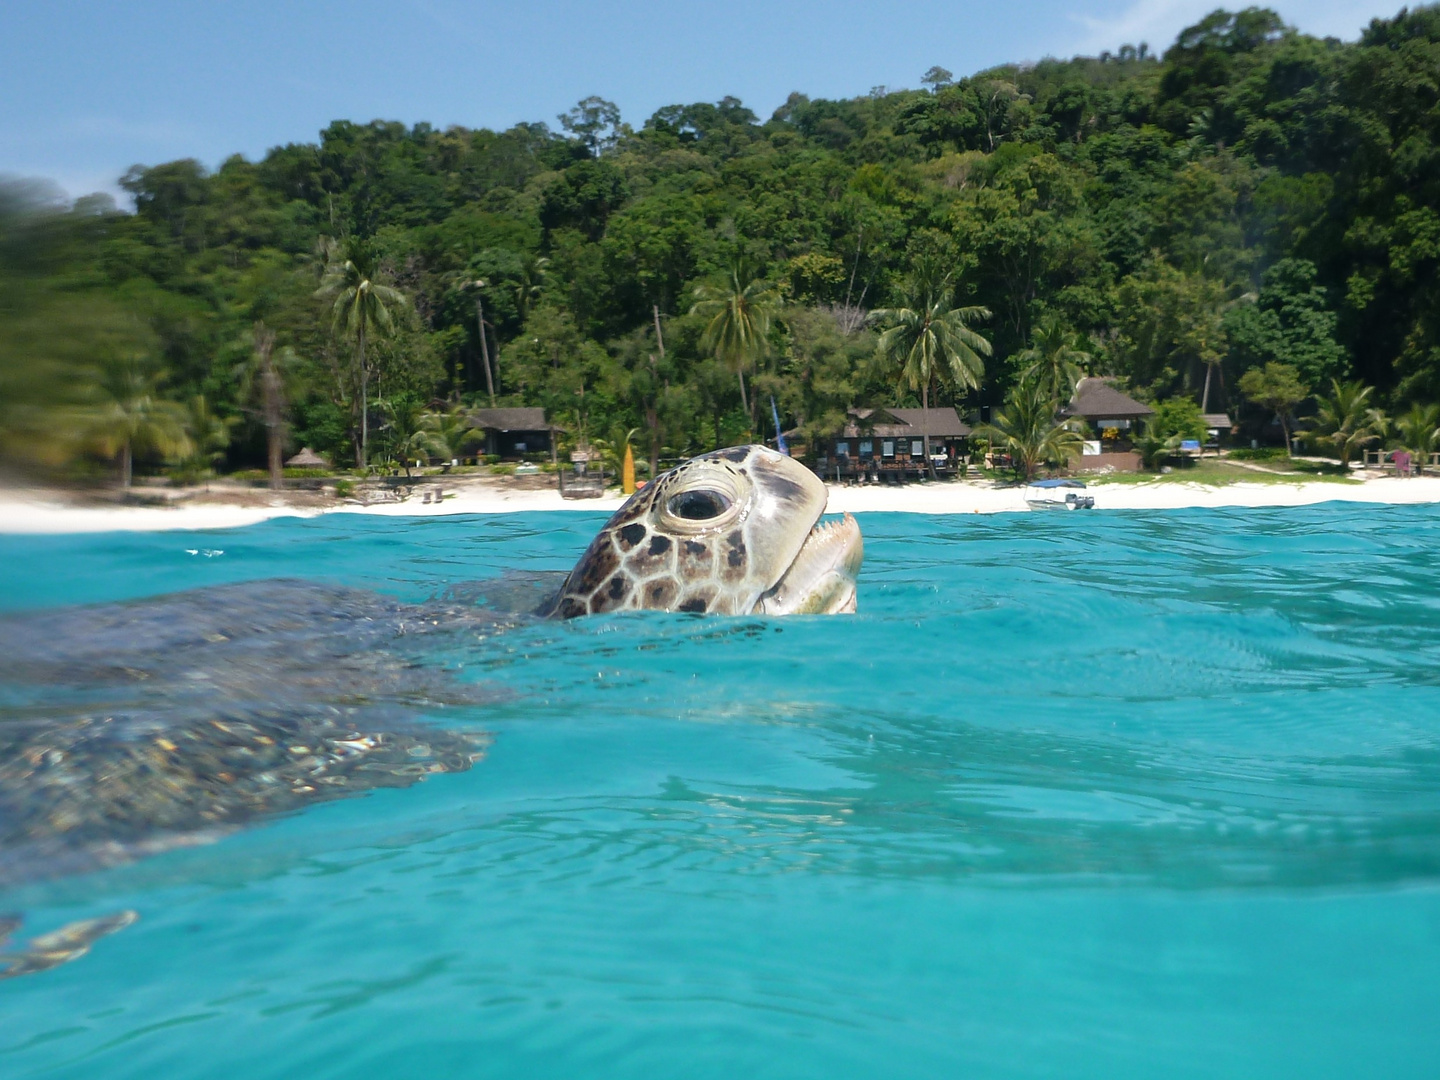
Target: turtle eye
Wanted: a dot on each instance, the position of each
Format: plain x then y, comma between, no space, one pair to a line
701,504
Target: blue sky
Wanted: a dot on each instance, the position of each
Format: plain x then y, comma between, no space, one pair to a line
91,88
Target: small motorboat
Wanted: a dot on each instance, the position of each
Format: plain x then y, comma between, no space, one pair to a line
1058,495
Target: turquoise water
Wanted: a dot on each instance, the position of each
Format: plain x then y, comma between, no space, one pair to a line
1109,795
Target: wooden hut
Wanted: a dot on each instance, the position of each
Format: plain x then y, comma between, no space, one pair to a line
889,444
307,459
1104,408
515,433
1114,418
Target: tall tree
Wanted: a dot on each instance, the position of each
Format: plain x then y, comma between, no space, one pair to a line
208,435
262,382
1055,359
740,310
534,269
1345,421
1029,430
128,414
409,436
1419,431
929,339
361,306
1277,387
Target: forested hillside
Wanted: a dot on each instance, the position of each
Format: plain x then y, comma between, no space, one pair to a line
1252,195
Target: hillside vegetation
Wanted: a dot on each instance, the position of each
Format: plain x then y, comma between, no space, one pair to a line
1252,196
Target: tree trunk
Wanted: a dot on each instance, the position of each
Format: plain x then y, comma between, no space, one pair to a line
652,421
744,401
925,436
364,403
272,401
1205,397
125,465
484,350
276,454
659,337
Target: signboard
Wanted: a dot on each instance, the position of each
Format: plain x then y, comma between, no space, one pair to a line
1090,447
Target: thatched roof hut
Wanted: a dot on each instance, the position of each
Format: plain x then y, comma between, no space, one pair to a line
307,459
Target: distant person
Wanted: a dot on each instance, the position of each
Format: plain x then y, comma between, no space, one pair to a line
1402,462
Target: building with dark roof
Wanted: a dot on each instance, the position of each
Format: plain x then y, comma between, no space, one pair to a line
891,441
514,433
1101,405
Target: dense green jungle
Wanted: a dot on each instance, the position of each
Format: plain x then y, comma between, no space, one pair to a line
1253,207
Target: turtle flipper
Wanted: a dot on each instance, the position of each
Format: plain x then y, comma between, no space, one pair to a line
70,942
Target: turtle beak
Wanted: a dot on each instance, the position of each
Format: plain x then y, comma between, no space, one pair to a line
821,580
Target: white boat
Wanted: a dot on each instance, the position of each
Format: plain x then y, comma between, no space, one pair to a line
1058,495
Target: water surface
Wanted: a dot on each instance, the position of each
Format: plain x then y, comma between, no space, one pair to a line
1109,795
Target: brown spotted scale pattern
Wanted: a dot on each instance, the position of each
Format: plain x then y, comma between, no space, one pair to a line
632,563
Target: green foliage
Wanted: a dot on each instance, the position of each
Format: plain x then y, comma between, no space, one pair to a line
1253,197
929,340
1030,431
1276,387
1290,322
1259,453
1179,417
126,414
1055,359
1419,432
409,436
1346,421
738,310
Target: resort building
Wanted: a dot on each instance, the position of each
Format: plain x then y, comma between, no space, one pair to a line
889,444
512,434
1114,419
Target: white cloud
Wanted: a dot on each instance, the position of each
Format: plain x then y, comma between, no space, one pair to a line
1158,22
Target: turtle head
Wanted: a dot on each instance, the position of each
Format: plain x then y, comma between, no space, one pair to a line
731,532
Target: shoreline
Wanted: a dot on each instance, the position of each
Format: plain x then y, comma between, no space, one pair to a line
39,511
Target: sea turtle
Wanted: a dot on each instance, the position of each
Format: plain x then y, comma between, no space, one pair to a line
731,532
128,729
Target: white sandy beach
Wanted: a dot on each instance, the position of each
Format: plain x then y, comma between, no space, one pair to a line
43,512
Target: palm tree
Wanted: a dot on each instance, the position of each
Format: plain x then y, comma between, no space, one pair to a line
452,429
209,437
1346,421
1154,447
1055,359
930,339
533,271
262,378
740,311
128,413
361,306
1419,431
1028,429
410,438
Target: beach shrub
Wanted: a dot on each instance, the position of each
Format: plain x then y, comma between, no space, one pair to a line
1177,416
1262,453
502,470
